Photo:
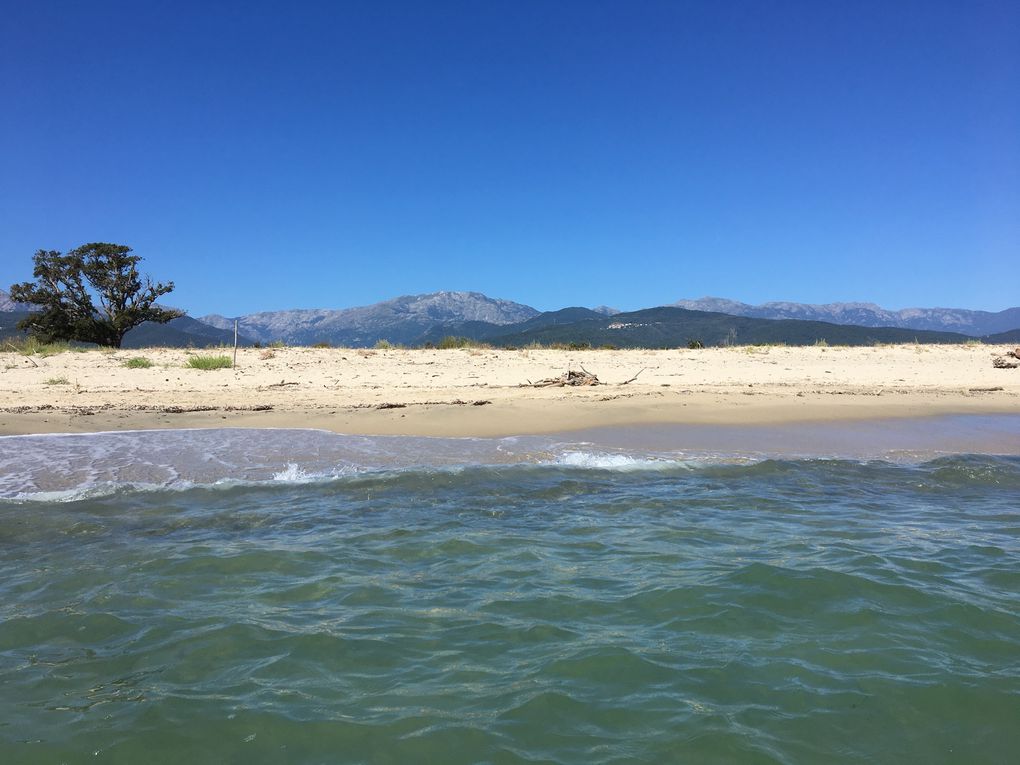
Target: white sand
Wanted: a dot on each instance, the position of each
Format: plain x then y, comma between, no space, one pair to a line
435,391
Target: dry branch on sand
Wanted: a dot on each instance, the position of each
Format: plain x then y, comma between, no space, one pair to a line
1003,362
628,382
571,378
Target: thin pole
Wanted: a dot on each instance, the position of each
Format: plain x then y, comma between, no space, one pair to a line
235,342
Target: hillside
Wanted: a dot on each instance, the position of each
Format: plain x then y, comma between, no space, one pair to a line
670,327
962,320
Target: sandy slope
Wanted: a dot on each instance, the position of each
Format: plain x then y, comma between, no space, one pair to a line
485,392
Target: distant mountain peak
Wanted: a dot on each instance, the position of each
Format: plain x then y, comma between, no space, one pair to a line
401,319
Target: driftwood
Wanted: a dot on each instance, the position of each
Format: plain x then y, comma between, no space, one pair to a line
1002,362
571,378
627,382
1015,353
574,378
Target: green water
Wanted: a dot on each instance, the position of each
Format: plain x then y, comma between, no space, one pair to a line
801,611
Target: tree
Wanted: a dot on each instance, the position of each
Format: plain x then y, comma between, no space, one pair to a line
66,285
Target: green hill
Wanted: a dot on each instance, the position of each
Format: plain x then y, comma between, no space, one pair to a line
670,327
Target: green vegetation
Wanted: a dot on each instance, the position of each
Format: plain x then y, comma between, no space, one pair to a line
209,362
58,381
138,362
456,341
33,346
67,286
384,345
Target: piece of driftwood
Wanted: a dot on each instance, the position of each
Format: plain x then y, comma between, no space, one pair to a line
628,382
571,378
1015,353
1002,362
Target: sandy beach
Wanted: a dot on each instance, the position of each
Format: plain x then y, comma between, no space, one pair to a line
475,392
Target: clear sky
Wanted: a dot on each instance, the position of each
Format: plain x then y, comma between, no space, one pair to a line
270,155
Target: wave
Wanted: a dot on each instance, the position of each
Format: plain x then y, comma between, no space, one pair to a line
68,468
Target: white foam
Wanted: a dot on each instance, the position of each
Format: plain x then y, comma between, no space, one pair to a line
77,466
294,473
618,462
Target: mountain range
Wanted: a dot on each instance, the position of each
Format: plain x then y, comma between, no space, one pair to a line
967,322
401,320
416,320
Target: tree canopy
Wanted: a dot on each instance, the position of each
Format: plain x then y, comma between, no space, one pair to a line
67,287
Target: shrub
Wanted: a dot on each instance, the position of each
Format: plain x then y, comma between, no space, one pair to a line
209,362
58,381
138,362
383,345
450,341
695,345
453,341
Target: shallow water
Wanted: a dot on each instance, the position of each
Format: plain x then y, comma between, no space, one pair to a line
243,596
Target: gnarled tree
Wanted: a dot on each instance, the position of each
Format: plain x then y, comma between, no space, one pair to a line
67,286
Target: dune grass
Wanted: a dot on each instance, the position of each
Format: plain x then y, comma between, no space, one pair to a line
137,362
32,346
209,362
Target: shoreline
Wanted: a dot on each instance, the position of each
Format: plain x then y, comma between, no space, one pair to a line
487,393
512,419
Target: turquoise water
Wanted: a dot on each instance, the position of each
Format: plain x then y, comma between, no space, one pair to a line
299,597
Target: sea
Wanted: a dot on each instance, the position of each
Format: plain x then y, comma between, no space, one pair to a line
815,593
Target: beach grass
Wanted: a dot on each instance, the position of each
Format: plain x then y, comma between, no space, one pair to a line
137,362
209,362
33,346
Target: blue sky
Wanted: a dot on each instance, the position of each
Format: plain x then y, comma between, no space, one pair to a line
298,154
